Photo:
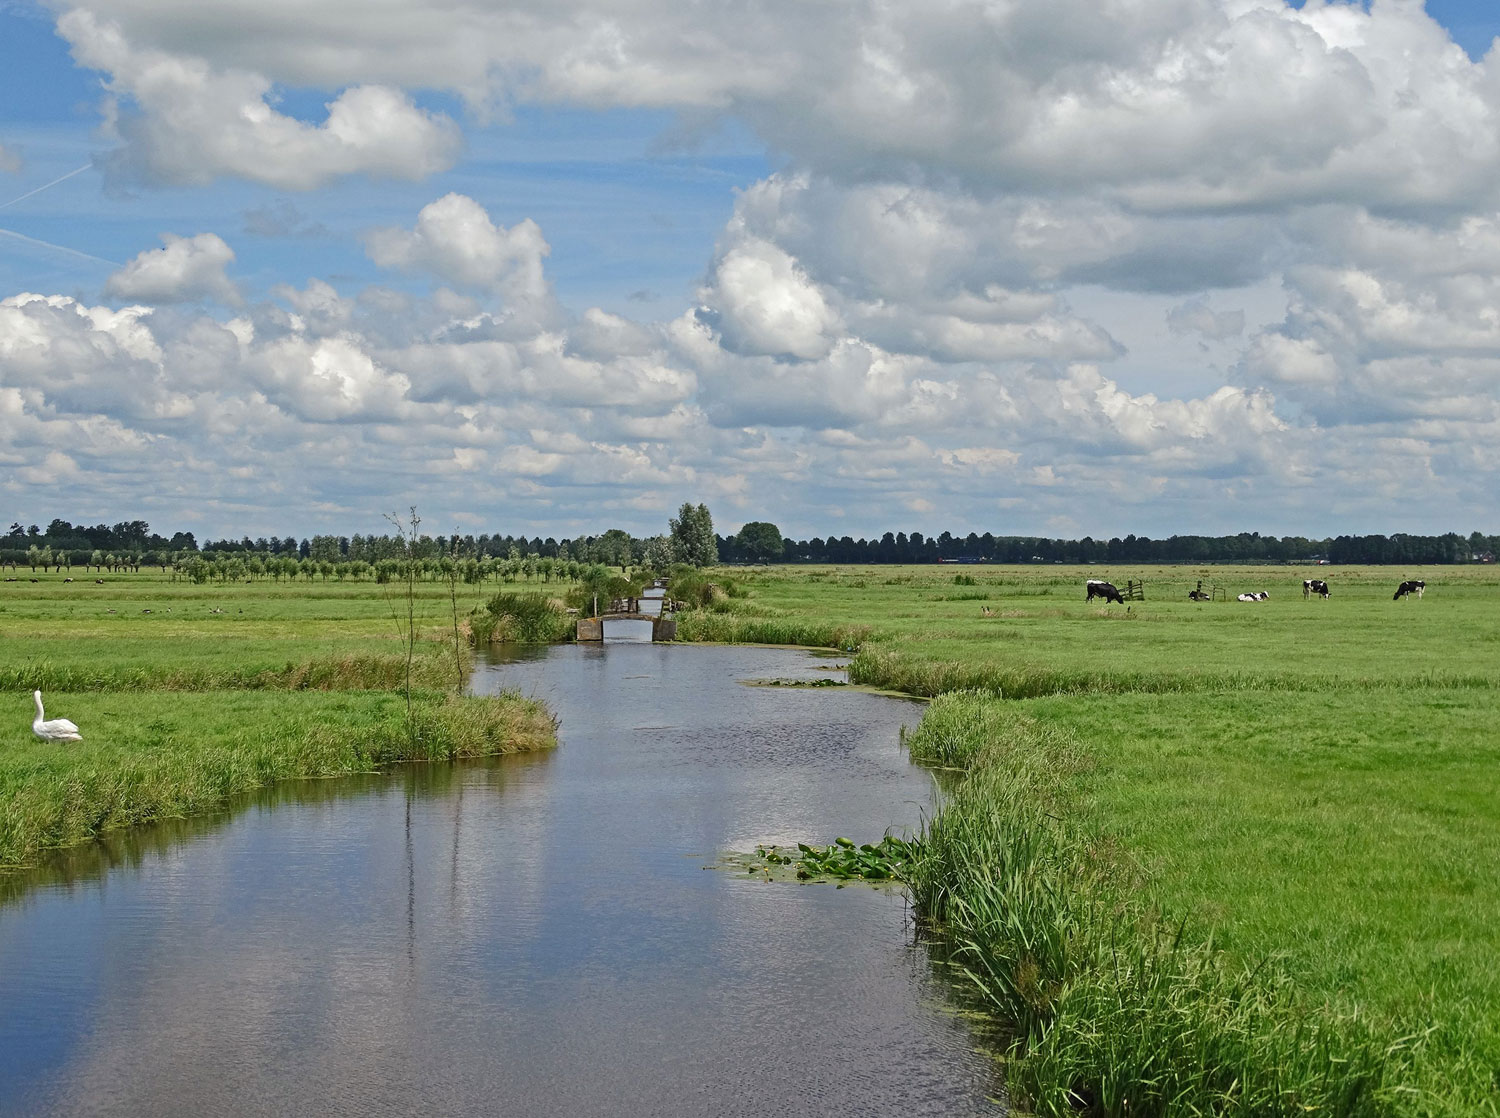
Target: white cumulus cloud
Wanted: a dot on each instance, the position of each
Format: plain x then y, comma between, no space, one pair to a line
186,268
195,122
455,240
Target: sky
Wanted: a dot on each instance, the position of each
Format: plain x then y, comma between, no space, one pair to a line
1042,267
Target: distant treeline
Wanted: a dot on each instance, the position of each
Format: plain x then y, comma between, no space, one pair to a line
1247,547
132,544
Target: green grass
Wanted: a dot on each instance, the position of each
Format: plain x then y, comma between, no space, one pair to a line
153,755
265,630
184,708
1217,858
1354,836
1119,996
1046,636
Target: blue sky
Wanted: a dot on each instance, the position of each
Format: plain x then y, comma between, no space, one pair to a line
847,277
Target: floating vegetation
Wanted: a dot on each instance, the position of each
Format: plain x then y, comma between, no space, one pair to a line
842,861
823,682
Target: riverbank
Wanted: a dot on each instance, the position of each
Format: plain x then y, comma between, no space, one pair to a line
188,696
153,755
1207,858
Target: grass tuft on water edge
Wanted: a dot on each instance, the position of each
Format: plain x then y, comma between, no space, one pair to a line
731,628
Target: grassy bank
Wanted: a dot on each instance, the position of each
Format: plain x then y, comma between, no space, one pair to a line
189,696
1207,858
1176,922
156,755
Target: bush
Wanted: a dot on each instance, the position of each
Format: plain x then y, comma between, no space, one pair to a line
522,618
598,581
700,591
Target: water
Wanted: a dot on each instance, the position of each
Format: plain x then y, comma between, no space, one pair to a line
535,935
626,629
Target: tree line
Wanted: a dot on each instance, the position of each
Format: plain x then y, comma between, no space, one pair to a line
1246,547
690,539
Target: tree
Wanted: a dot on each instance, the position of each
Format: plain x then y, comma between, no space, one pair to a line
658,555
693,536
613,548
761,542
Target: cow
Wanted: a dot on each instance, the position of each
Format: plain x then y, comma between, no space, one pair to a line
1100,589
1315,586
1256,596
1410,586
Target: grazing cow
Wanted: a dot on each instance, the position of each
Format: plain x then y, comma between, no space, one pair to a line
1105,590
1314,586
1410,586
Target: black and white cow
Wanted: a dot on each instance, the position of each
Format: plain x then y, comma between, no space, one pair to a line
1105,590
1410,586
1256,596
1314,586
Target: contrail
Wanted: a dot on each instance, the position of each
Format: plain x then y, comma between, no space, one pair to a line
46,186
57,248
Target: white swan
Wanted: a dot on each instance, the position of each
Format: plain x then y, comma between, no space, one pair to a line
59,729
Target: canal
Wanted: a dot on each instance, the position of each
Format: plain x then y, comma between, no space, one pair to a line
533,935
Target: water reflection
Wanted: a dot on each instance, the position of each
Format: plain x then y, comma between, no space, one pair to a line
532,935
128,849
627,629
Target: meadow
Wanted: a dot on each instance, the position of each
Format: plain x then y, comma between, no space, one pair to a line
1204,858
190,695
1208,858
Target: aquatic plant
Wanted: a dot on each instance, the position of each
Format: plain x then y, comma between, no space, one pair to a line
841,860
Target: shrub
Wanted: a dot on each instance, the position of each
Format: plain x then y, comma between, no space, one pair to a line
522,618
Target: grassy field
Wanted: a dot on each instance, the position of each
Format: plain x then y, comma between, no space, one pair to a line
1044,634
190,695
1209,858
